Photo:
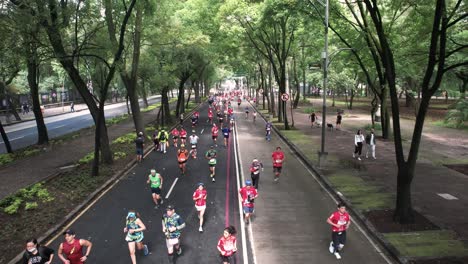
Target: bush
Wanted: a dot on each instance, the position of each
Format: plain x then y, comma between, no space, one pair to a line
119,154
377,126
31,152
6,158
116,120
151,107
458,113
125,139
31,206
14,206
309,110
86,159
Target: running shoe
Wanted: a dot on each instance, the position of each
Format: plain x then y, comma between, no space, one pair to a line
161,201
145,250
213,179
156,206
200,229
341,246
337,255
179,251
331,248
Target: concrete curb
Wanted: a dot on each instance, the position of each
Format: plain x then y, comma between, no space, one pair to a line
119,175
368,227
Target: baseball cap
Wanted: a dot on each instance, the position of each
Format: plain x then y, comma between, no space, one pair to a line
200,184
170,208
254,160
248,182
69,232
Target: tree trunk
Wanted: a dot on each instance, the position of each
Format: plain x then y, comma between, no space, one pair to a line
13,106
166,119
181,98
144,94
384,114
197,92
42,134
272,95
297,85
188,98
404,210
5,139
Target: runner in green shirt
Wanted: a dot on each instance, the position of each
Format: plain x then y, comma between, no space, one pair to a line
211,157
156,181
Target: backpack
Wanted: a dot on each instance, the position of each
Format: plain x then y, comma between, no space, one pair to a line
162,136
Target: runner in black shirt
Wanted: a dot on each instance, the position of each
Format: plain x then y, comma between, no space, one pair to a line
36,254
140,144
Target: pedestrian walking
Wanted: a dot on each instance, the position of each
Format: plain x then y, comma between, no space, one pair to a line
172,223
358,140
163,140
156,182
248,193
278,158
199,196
370,142
71,250
37,254
313,118
227,245
338,120
72,107
140,145
340,222
134,228
268,127
255,168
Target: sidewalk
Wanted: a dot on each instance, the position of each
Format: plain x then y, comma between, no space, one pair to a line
53,111
370,184
290,216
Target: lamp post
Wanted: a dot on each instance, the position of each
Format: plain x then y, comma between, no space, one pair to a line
322,152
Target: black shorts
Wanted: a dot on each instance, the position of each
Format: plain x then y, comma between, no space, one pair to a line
156,190
214,137
226,136
277,169
338,122
238,103
175,137
228,259
183,137
182,162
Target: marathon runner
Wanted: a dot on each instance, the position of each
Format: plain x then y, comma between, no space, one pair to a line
254,115
156,181
255,172
210,155
210,116
246,109
37,254
194,122
268,130
214,134
72,248
182,157
248,195
193,141
175,136
226,131
220,118
278,159
134,228
140,145
340,222
172,223
199,196
183,135
227,245
239,101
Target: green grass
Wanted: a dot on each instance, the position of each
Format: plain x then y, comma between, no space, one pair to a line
150,108
309,110
377,127
441,123
116,120
438,243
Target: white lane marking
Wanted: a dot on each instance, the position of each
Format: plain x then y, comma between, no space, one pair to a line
16,138
172,187
251,237
202,131
58,127
447,196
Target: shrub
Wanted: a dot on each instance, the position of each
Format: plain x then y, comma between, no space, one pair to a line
309,110
6,158
31,205
458,113
119,154
31,152
377,126
86,159
125,139
14,206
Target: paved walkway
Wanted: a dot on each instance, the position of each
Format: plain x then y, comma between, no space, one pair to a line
52,111
431,177
290,217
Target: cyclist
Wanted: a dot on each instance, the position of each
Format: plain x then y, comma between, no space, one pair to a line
172,223
246,109
255,172
199,196
210,155
278,159
254,115
193,141
214,134
134,228
226,131
183,135
182,157
227,245
163,138
248,193
175,136
268,127
156,181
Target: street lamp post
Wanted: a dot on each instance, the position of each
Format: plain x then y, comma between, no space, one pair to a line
322,153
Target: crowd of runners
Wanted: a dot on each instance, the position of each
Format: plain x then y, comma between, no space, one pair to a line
72,250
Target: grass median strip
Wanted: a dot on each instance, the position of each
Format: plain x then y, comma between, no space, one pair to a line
439,243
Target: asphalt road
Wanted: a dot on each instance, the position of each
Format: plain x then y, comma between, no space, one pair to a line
104,221
25,134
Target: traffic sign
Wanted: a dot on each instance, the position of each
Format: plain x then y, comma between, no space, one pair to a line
285,97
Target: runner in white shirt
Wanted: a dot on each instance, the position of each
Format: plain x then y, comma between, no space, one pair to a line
193,141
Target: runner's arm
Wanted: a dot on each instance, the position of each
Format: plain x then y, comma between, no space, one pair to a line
331,223
60,253
88,245
139,223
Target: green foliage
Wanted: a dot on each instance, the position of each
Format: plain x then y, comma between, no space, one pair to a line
30,205
31,152
86,159
149,108
119,154
309,110
377,127
458,113
125,139
116,120
12,204
6,158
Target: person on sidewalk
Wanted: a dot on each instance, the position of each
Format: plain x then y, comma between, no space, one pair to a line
227,245
172,223
140,145
37,254
71,250
370,141
155,140
255,172
156,181
175,136
199,196
313,118
340,222
72,107
278,159
338,120
248,193
358,141
134,228
163,140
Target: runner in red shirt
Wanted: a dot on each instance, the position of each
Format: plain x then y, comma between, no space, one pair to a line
214,134
175,136
199,196
227,244
248,193
183,135
210,117
73,249
278,159
340,222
